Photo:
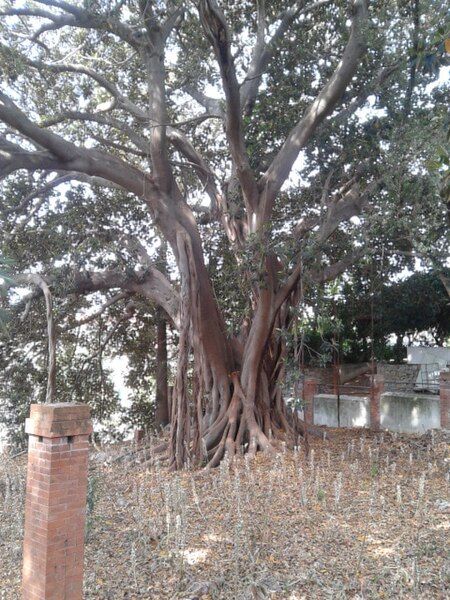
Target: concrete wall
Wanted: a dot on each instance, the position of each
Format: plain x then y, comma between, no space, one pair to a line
403,412
354,410
410,413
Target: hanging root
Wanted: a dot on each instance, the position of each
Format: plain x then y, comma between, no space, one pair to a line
237,424
232,433
236,429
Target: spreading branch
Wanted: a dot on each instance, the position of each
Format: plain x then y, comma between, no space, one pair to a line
212,106
330,272
149,283
75,16
95,315
331,93
61,155
215,26
265,50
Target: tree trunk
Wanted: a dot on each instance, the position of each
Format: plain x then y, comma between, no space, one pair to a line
162,405
237,403
399,350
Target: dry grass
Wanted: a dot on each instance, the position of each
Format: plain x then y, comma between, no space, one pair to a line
362,517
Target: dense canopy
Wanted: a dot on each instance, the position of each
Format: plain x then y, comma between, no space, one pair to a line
209,165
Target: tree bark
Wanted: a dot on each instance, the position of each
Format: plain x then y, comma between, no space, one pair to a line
162,405
231,399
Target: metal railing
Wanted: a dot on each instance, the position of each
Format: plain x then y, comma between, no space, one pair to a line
366,390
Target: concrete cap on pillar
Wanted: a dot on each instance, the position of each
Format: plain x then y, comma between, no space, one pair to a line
59,420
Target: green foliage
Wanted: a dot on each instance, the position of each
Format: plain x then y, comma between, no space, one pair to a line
77,227
409,307
5,265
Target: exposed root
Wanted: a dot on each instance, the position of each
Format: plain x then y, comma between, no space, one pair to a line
237,421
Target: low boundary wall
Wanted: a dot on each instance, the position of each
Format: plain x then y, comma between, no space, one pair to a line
399,411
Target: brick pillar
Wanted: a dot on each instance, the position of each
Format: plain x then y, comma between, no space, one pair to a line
55,503
377,389
309,391
444,396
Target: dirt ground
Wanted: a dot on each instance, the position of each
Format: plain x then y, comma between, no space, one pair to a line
362,516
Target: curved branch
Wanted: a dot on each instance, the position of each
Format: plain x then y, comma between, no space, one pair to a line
332,271
65,156
85,19
39,192
281,166
215,26
264,51
136,139
349,205
172,21
122,101
13,158
212,106
149,283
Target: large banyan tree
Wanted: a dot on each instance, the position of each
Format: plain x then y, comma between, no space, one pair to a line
261,143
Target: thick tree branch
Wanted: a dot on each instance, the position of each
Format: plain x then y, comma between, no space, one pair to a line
330,272
149,283
158,114
322,106
13,158
153,58
212,106
264,51
135,138
172,21
216,29
207,177
85,19
28,12
69,157
350,204
15,118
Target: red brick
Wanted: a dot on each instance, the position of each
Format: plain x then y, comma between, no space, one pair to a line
55,504
309,391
